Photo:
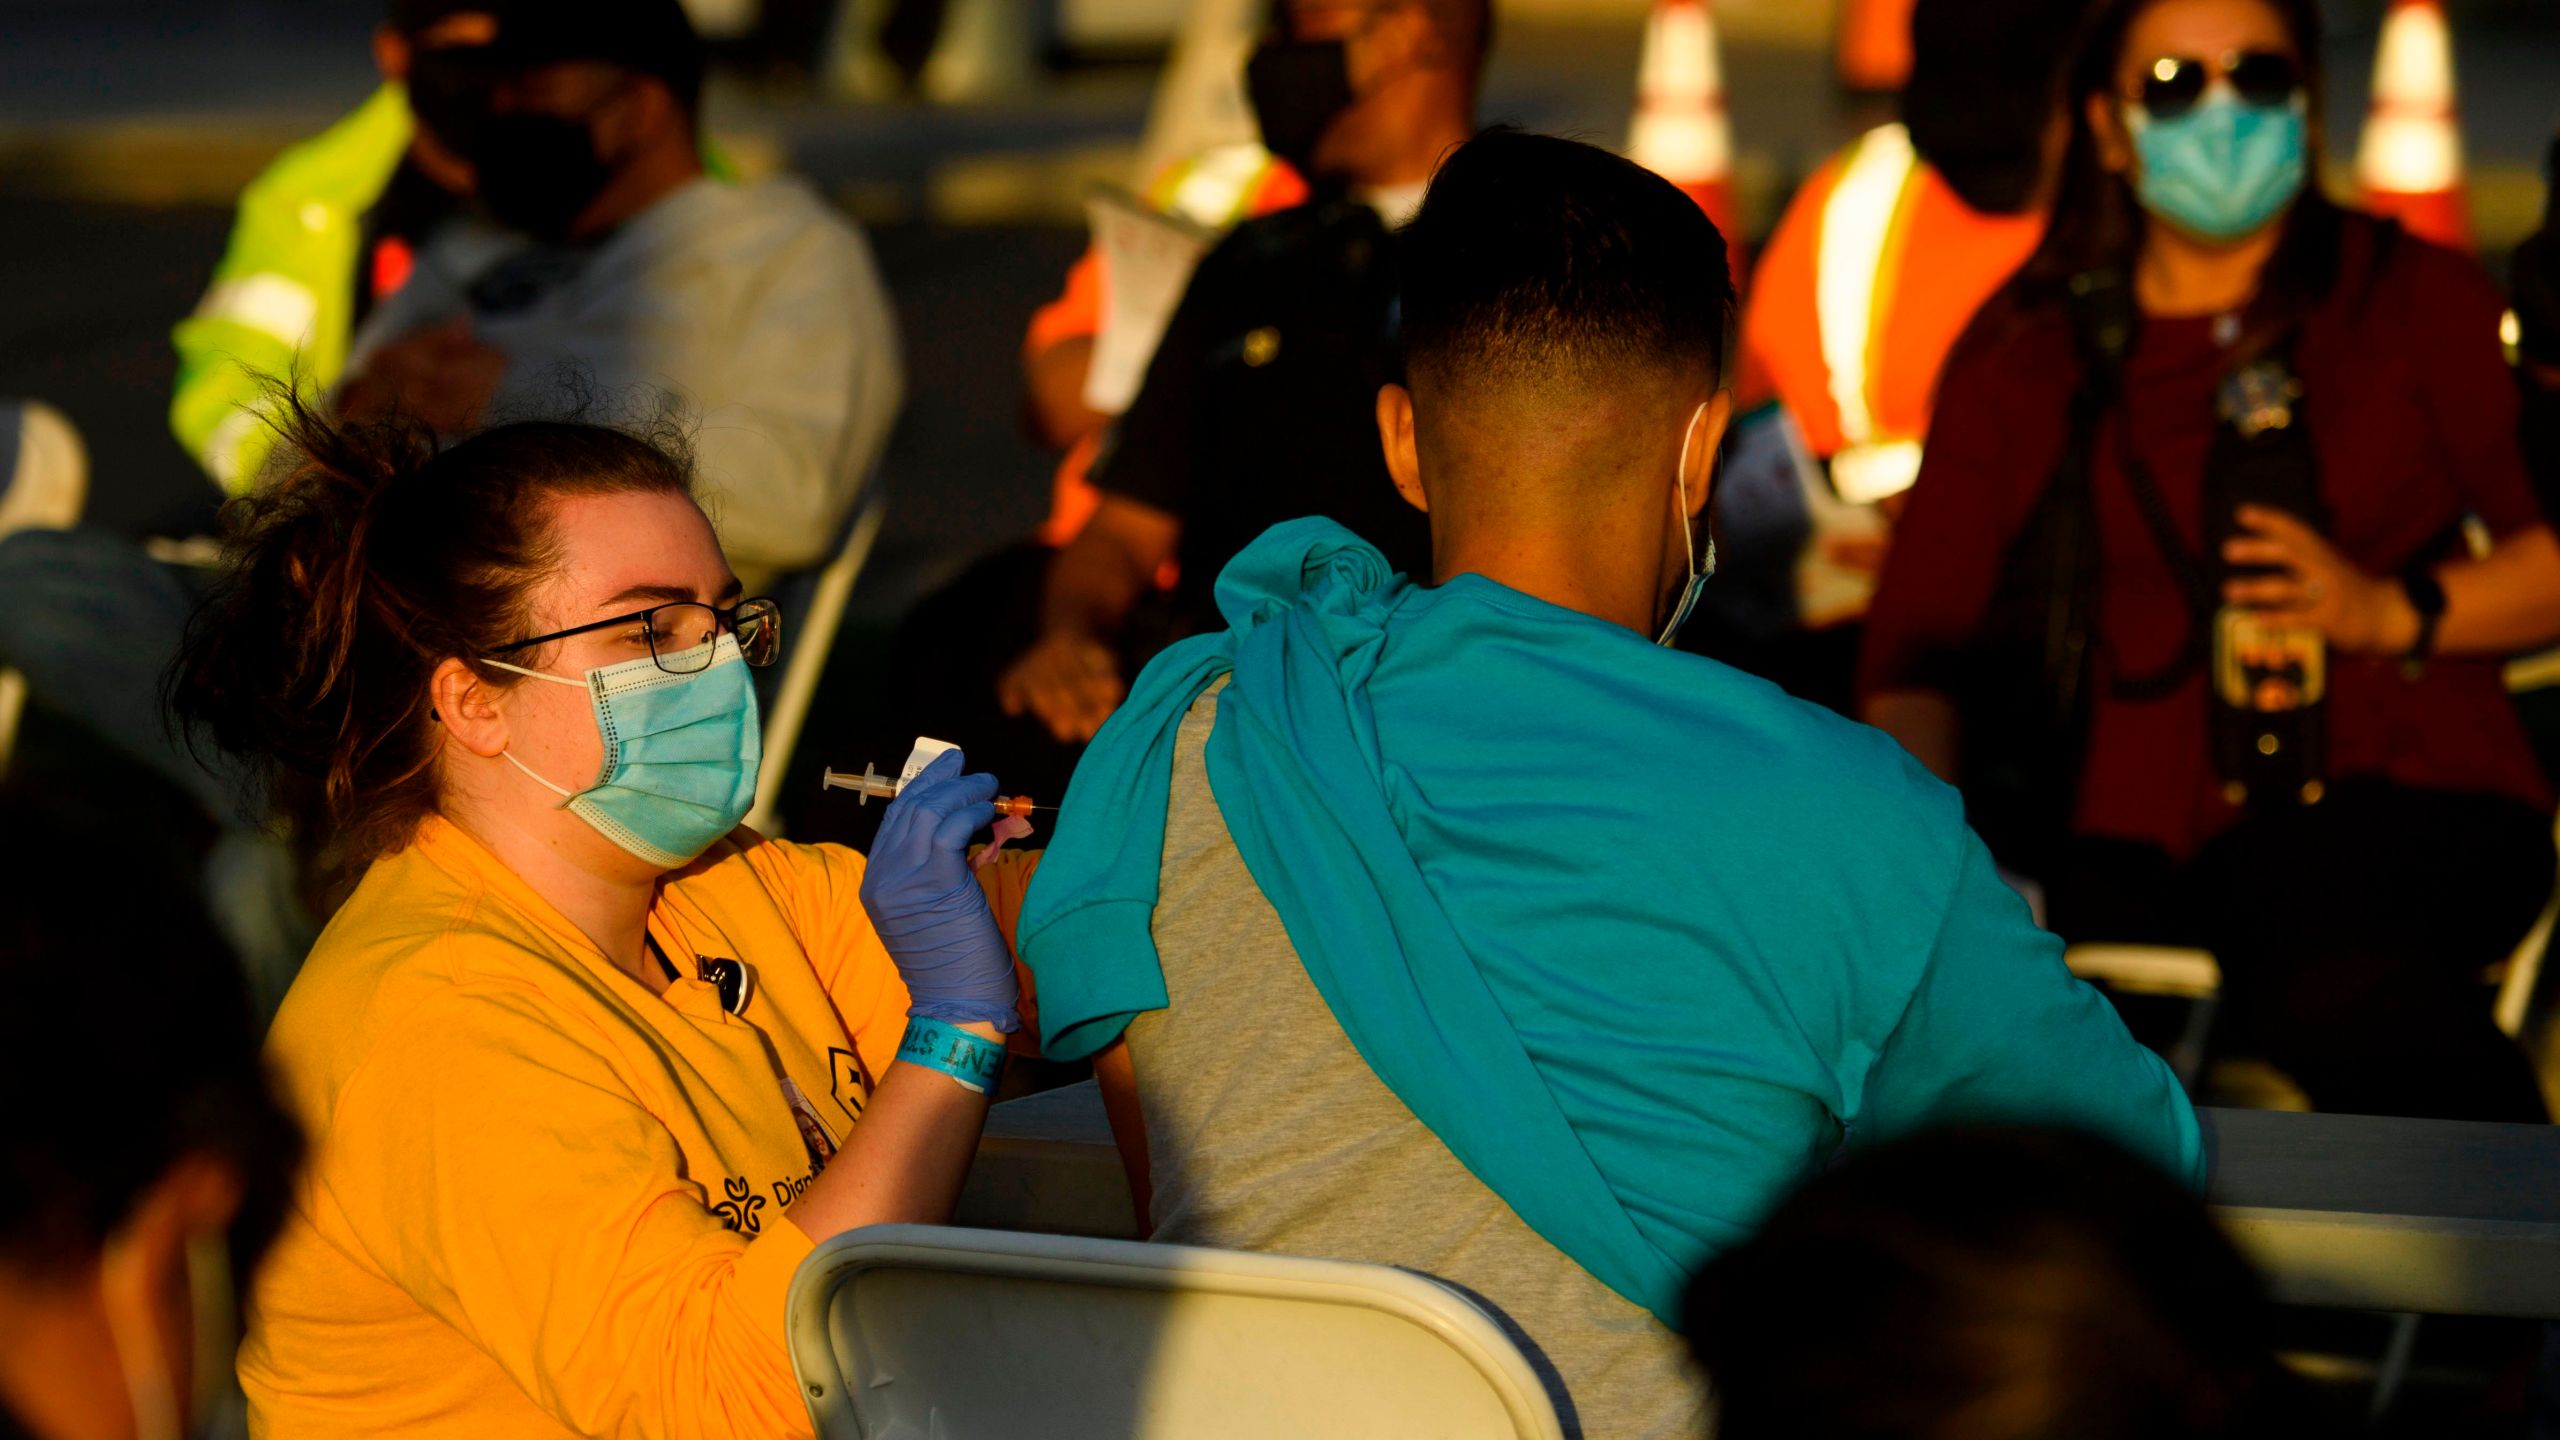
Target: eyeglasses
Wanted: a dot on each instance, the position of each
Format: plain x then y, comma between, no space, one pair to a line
680,634
2175,84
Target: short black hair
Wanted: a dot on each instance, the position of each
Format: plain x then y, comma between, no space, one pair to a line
1986,82
126,1043
652,38
2044,1276
1544,261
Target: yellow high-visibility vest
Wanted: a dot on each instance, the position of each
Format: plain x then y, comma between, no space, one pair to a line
282,303
281,308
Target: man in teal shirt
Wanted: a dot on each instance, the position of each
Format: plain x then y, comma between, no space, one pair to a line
1637,940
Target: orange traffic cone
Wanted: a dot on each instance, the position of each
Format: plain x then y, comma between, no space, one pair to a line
2409,163
1872,54
1681,131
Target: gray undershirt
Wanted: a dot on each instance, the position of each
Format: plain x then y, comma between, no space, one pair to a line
1267,1131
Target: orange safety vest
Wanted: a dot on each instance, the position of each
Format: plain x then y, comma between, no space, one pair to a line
1873,273
1219,189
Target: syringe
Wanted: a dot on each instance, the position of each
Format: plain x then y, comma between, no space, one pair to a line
871,782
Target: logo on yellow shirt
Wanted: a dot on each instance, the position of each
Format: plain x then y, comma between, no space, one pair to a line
738,1209
851,1081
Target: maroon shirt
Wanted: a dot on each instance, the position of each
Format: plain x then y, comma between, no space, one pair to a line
2413,416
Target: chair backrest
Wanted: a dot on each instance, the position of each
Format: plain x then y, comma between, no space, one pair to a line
2523,979
44,484
810,637
900,1332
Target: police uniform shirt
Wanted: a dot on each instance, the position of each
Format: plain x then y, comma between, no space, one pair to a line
1261,403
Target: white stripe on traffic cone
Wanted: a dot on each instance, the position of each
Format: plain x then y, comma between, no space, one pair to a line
2409,160
1681,130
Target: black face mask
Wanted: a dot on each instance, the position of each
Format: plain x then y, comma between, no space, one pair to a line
1298,88
536,173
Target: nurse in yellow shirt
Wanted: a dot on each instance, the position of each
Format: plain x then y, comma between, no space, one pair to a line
587,1069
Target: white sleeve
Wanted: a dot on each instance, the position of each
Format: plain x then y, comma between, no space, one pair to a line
795,403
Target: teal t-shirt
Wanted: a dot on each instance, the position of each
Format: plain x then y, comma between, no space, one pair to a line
1641,938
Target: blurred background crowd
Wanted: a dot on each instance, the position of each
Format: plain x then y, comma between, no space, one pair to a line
935,295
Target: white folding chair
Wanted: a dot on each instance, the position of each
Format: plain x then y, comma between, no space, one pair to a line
2173,971
903,1332
2194,975
47,486
2524,971
810,637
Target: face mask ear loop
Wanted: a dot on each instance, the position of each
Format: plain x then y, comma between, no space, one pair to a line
510,757
1680,477
1688,537
534,674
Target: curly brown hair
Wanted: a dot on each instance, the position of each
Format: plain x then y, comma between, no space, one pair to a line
368,559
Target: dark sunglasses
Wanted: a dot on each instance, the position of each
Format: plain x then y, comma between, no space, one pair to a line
2175,84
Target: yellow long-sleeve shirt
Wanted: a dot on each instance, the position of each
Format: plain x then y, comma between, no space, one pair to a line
543,1201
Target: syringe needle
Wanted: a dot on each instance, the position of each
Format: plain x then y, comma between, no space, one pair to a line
871,782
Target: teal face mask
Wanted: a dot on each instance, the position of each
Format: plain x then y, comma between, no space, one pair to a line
680,753
2224,168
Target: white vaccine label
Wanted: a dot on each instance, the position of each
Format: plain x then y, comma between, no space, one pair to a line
926,752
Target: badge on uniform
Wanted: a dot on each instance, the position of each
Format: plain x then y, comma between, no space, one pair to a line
735,982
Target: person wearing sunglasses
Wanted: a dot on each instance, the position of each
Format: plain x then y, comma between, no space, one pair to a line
588,1067
2223,534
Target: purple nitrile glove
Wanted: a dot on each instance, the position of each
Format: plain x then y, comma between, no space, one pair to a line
927,907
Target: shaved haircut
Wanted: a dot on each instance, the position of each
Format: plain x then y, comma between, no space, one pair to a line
1543,268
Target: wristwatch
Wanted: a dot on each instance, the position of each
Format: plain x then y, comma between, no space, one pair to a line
2426,597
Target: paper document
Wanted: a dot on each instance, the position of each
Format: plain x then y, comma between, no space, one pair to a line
1147,260
1836,575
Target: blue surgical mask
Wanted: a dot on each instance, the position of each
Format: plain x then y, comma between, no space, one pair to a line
2223,169
680,754
1698,577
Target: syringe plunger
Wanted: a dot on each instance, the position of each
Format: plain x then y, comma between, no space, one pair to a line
865,785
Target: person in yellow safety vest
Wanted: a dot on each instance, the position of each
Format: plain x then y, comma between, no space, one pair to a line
324,232
1885,253
600,260
294,279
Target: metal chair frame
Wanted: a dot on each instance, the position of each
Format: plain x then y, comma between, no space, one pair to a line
811,638
844,1345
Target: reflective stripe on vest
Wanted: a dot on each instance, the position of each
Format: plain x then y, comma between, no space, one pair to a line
274,305
1859,227
222,456
1215,188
